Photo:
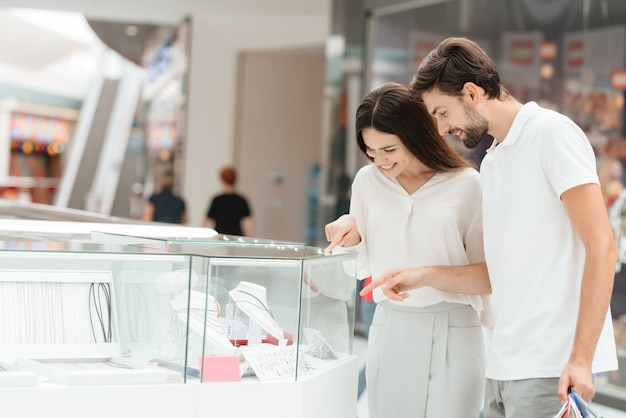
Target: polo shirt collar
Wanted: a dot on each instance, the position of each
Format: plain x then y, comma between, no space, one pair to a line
523,116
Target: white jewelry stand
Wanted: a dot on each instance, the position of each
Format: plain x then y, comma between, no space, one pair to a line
251,299
213,332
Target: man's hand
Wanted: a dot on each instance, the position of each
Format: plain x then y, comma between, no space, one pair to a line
395,282
472,279
577,377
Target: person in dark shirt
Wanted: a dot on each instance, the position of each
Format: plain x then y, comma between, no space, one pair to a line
229,212
165,205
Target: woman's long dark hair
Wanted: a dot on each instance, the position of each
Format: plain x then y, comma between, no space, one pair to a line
389,109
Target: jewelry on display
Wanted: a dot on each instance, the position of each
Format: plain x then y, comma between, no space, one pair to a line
251,299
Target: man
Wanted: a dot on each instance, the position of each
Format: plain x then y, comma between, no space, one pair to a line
165,205
549,246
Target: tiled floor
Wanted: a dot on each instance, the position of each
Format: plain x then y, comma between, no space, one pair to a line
360,349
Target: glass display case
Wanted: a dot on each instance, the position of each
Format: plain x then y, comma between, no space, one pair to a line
162,321
162,312
283,311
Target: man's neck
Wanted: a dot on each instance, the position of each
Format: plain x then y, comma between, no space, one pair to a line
503,113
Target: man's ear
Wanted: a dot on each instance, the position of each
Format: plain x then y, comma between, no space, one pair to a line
473,92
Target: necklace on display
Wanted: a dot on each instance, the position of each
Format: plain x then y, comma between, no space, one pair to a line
251,299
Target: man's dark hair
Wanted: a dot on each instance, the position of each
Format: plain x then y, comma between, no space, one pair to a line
453,63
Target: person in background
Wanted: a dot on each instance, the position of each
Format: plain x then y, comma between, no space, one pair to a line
165,205
549,246
229,212
417,203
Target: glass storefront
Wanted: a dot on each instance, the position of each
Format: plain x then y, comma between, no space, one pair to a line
567,55
36,141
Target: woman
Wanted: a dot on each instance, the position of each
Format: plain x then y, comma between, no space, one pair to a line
418,204
229,212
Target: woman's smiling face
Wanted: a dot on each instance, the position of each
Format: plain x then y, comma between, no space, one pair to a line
387,151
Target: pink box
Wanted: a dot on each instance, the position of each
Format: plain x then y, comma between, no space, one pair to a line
220,369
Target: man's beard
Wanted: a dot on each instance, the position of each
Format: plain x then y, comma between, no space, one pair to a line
477,127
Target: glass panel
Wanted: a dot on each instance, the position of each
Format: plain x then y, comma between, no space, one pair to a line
284,310
80,314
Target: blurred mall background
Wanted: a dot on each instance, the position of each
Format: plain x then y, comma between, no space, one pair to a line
97,98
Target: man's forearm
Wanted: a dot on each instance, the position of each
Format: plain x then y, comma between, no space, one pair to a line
596,290
472,279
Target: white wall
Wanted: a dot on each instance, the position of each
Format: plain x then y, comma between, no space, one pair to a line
281,105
